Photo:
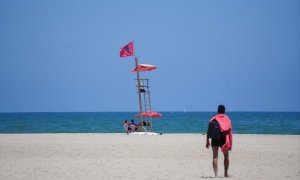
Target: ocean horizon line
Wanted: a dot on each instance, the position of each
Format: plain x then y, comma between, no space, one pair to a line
167,133
4,112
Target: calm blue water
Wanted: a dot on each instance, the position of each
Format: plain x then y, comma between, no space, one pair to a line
177,122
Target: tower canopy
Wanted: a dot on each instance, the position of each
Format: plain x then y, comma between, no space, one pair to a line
144,67
149,114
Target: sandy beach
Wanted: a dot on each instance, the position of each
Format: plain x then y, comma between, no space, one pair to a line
121,156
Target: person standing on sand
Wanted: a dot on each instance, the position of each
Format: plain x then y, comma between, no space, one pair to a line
220,132
126,126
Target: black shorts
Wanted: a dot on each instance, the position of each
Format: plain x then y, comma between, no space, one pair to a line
218,142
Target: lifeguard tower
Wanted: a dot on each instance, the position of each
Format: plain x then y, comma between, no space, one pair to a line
146,114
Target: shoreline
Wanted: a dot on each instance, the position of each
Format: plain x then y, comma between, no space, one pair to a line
167,156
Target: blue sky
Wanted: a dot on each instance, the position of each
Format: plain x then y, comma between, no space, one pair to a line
64,55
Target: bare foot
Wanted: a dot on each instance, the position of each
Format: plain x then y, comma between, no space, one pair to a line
227,176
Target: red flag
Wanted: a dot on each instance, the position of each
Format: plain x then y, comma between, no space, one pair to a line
127,50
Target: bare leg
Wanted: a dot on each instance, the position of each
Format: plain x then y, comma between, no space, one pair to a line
226,163
215,159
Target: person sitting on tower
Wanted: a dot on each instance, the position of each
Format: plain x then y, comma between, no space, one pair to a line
133,126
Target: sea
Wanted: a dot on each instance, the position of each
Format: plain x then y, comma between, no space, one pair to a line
286,123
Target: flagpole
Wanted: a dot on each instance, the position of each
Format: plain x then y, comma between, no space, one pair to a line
139,86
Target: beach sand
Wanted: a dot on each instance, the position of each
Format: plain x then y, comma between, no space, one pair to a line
167,156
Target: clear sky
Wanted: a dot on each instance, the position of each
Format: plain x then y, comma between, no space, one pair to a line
63,55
